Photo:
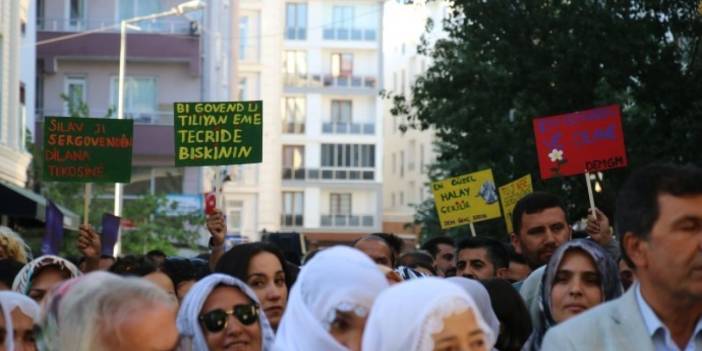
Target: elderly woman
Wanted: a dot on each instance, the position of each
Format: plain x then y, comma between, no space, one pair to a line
12,246
220,312
428,314
330,301
19,313
579,276
41,274
101,311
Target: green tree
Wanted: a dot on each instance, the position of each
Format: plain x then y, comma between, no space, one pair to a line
505,62
154,226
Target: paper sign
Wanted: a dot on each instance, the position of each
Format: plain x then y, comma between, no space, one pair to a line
94,150
467,198
512,192
577,142
53,235
218,133
110,233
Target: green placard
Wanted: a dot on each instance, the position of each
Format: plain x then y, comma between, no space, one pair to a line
218,133
89,150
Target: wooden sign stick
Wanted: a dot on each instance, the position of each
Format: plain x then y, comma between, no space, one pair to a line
87,194
472,229
590,195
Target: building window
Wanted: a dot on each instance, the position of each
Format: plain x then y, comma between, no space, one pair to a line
340,204
76,14
348,155
133,8
243,36
296,21
293,162
294,111
341,111
295,63
402,163
342,65
139,97
342,20
243,87
76,94
421,158
392,200
293,209
402,198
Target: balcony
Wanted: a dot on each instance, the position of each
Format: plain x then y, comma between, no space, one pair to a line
348,128
329,81
289,220
347,221
161,26
329,173
293,128
350,34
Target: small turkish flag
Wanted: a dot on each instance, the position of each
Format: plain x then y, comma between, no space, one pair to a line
210,202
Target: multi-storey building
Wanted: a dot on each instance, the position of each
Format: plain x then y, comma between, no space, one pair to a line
408,151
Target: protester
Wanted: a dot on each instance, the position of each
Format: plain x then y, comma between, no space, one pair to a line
40,275
156,256
184,273
9,269
220,313
419,261
481,258
106,261
442,249
425,315
143,266
659,219
378,249
12,246
518,268
330,302
105,312
262,267
480,295
19,313
515,324
579,276
626,274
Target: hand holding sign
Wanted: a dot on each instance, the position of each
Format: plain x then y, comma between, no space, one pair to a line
598,228
89,241
217,227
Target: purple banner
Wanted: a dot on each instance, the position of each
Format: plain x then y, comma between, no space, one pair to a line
53,236
110,232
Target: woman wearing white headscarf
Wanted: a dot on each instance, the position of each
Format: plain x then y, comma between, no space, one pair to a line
19,314
480,295
38,276
330,301
203,325
425,315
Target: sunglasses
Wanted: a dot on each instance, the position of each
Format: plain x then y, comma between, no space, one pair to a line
216,320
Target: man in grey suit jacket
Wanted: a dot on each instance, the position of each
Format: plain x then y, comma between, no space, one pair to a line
659,213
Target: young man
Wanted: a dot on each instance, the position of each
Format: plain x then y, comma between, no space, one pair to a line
481,258
659,216
442,249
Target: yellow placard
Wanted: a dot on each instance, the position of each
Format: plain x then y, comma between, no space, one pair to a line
511,193
465,199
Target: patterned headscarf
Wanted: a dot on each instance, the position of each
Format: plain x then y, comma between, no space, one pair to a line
609,277
23,281
9,301
192,337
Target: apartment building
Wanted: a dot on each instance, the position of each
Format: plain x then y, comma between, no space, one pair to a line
408,151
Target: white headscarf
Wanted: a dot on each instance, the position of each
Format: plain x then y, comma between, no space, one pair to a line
336,279
480,295
23,280
406,315
188,324
9,300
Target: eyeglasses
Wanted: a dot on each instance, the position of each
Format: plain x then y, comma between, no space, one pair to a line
216,320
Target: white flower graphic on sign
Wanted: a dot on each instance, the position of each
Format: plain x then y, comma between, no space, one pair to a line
556,155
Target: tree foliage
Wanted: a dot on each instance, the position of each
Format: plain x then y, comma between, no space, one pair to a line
505,62
156,226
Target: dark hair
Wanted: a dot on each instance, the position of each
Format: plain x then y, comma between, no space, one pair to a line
514,256
8,271
235,262
376,237
533,203
496,251
394,242
637,202
416,259
158,253
181,269
104,256
132,265
515,323
432,245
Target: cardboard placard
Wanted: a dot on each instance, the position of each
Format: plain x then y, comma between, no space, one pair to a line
89,150
512,192
218,133
466,199
579,142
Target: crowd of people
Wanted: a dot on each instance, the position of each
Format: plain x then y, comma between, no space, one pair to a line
634,284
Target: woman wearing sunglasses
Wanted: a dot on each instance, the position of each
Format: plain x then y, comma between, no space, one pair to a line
220,312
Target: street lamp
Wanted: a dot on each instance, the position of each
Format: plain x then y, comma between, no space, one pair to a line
178,10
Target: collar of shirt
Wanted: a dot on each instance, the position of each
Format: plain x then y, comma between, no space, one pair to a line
656,329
